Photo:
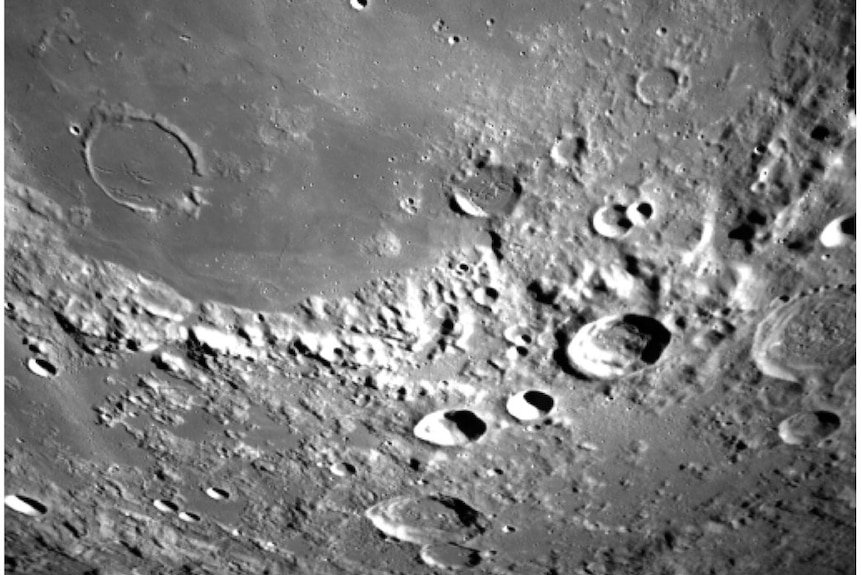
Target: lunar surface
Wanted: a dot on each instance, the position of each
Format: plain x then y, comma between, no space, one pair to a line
391,287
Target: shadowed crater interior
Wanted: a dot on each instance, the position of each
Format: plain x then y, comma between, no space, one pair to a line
468,423
540,400
656,335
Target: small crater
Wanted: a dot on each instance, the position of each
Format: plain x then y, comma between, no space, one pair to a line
450,428
25,505
342,469
165,506
611,221
486,296
189,517
657,86
428,520
217,493
529,405
410,205
359,5
449,556
493,192
639,213
839,232
808,427
41,367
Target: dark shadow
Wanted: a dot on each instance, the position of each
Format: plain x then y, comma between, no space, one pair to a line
820,133
541,294
36,505
223,494
562,337
848,226
540,400
496,244
657,336
644,209
468,516
829,422
743,232
467,422
49,367
170,505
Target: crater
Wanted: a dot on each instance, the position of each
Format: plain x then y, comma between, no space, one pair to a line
25,505
839,232
449,556
811,336
493,191
428,520
141,161
217,493
639,213
166,506
530,405
41,367
617,345
450,428
808,427
658,86
611,221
